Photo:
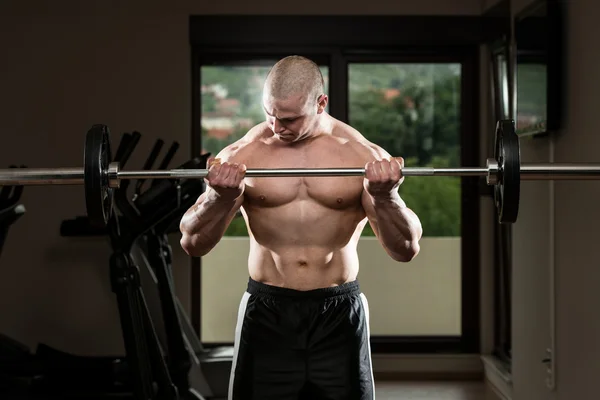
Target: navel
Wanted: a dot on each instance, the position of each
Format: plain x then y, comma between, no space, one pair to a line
302,263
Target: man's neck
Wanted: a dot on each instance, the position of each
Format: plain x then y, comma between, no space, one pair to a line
324,125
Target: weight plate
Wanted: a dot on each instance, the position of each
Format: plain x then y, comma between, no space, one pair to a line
97,157
508,155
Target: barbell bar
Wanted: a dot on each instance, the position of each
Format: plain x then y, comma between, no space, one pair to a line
76,176
100,176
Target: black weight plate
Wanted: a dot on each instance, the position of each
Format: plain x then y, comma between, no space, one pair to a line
97,157
508,155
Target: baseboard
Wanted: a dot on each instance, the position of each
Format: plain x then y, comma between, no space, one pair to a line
498,377
426,366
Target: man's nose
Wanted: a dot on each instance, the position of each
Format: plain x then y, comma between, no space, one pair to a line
278,126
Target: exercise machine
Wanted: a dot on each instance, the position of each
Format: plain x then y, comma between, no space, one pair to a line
206,370
152,319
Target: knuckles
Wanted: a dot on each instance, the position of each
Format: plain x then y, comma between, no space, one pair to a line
225,175
384,171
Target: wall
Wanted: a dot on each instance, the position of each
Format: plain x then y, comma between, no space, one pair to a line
532,258
531,294
555,238
576,211
64,69
67,65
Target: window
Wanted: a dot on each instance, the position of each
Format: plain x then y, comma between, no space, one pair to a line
413,111
419,104
531,97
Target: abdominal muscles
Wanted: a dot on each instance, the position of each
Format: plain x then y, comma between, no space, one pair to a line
305,243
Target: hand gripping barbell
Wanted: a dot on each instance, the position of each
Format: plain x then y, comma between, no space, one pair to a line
100,175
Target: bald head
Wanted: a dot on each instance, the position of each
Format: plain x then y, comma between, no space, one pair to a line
295,76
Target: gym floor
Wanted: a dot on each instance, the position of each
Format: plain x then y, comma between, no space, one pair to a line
433,390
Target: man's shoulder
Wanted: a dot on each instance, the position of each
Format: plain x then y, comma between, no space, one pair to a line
239,150
365,149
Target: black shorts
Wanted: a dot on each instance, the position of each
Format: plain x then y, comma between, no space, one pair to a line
293,344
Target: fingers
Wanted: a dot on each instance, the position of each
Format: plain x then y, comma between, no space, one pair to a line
214,167
400,161
212,160
370,171
225,175
375,171
384,170
240,172
396,165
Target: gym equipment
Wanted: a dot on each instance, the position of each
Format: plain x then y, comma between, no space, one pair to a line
10,209
100,175
149,371
164,357
152,319
10,212
206,371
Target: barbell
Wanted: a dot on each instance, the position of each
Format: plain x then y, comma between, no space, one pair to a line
100,175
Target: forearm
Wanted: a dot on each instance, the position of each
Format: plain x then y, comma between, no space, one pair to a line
399,227
204,224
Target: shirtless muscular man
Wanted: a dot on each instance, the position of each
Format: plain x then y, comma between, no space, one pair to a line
303,323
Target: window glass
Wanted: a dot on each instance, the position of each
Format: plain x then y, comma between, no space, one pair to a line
413,111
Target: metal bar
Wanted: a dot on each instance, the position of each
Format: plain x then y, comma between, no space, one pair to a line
560,171
279,172
75,176
445,171
201,173
41,176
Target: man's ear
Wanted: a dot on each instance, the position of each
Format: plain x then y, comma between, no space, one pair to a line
322,103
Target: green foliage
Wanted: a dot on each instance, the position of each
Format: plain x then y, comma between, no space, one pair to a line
436,200
243,83
237,227
419,122
214,145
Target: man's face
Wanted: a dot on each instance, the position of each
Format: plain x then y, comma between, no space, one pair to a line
293,118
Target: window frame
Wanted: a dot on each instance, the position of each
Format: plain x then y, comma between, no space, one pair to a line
336,43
